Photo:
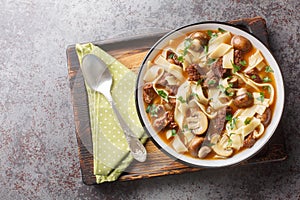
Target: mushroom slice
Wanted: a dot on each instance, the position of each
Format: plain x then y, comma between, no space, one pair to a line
221,147
195,145
197,121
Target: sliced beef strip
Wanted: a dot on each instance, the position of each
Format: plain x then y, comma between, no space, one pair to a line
194,72
216,127
249,141
163,121
218,70
149,93
211,80
238,57
253,74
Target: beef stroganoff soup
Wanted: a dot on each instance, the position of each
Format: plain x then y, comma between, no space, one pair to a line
209,94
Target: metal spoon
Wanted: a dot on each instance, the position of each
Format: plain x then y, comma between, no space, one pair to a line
98,77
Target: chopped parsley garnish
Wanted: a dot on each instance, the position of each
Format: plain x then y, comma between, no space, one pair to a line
152,110
261,97
173,131
231,134
180,59
181,99
200,81
268,69
247,121
206,49
236,68
249,94
243,63
171,56
211,82
210,144
267,79
229,92
163,94
187,45
210,61
267,88
221,30
253,77
233,122
229,142
211,34
228,117
193,94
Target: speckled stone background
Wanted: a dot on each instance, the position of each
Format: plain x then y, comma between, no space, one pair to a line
38,148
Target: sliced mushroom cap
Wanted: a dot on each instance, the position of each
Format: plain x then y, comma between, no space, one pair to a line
196,45
197,121
204,151
195,145
265,118
220,147
202,37
243,99
241,43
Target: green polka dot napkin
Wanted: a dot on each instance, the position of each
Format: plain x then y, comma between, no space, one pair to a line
110,149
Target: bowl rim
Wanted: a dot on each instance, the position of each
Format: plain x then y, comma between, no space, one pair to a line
177,158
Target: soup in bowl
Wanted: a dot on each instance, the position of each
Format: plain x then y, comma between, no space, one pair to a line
210,94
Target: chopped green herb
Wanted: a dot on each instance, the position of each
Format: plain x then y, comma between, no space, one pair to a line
193,94
173,131
148,108
185,127
233,122
249,94
253,77
236,68
247,121
210,61
230,85
210,144
152,110
200,81
267,88
229,92
163,94
243,63
228,117
221,87
231,134
206,49
211,34
267,79
261,98
171,56
180,59
187,45
221,30
211,82
268,69
181,99
229,142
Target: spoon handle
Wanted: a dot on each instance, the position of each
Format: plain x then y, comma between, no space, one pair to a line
137,149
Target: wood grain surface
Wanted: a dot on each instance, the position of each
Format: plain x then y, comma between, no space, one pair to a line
131,52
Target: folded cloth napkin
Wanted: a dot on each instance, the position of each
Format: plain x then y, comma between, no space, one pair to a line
110,148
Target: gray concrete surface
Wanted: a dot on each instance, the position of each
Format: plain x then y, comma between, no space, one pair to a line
38,148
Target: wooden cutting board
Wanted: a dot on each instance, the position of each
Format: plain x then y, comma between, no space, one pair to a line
131,52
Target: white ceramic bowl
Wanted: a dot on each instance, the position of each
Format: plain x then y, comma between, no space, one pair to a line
241,156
